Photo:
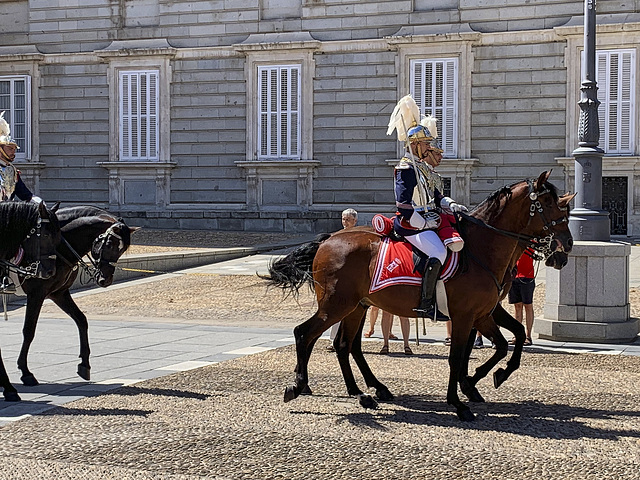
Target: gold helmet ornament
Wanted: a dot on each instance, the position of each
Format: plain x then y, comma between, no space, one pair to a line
5,133
407,121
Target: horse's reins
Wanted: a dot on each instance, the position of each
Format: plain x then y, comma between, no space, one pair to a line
30,270
541,245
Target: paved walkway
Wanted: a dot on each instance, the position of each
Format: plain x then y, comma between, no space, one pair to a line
125,352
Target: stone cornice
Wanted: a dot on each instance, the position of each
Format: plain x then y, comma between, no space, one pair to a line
137,48
613,23
433,33
278,41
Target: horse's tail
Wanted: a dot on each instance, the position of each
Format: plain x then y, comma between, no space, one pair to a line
293,271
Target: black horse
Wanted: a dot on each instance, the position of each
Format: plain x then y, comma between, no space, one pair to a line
30,230
85,229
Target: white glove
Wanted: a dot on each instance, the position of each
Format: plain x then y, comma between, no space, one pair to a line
432,221
449,206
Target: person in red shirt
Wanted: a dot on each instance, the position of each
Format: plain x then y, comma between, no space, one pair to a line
521,293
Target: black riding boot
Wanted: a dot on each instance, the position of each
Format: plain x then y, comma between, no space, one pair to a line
426,308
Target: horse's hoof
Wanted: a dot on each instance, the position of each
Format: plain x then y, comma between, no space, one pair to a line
11,397
289,394
466,415
499,377
474,396
367,401
306,391
29,380
384,394
84,372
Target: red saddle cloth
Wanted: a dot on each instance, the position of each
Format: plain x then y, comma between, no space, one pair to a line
394,266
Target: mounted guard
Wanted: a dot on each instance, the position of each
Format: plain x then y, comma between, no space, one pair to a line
419,198
11,185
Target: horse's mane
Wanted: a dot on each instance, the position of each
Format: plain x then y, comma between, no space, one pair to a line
71,218
16,220
493,201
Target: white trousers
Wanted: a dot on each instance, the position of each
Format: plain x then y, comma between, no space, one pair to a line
428,242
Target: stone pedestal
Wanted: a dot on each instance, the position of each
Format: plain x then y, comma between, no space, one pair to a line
588,300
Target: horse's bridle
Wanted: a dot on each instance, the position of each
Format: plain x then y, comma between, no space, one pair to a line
30,270
541,244
98,245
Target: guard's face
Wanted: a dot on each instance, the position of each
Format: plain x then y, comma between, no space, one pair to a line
425,152
9,152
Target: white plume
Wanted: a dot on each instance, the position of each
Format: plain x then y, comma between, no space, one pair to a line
429,123
4,130
404,116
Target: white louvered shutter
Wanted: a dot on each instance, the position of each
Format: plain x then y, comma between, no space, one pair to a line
279,112
15,102
616,91
434,86
139,115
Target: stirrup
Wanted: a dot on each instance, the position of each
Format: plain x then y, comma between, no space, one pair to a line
7,286
430,312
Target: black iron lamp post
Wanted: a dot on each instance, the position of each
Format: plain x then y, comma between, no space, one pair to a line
587,220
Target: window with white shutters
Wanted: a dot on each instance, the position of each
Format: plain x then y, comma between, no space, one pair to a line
279,112
434,86
139,115
15,102
616,93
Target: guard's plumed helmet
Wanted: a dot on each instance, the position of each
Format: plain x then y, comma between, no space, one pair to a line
407,121
5,132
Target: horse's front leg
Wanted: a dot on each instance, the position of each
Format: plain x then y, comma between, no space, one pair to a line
9,391
467,384
65,302
504,319
34,305
459,339
490,330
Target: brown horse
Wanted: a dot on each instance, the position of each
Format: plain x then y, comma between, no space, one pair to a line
340,267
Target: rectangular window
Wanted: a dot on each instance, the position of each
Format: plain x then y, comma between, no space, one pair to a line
15,102
279,112
434,87
139,115
616,93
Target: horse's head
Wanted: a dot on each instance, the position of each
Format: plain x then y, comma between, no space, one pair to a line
549,217
40,244
107,249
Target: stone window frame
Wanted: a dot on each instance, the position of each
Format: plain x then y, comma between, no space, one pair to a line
610,36
25,61
279,49
413,44
139,55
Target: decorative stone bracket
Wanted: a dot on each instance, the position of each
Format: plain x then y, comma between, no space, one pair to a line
133,185
279,184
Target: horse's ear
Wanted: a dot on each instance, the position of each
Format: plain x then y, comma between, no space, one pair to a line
42,209
564,200
134,229
542,179
55,207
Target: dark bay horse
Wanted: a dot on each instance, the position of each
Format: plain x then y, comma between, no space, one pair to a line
340,267
36,230
85,230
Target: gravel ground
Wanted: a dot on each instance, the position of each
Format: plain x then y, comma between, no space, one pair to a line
560,417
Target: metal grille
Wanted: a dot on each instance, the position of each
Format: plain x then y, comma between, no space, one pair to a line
614,201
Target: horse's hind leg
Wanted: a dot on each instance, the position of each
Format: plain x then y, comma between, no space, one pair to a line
306,334
349,341
382,392
65,302
503,319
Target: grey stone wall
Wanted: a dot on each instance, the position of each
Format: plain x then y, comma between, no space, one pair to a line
518,96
